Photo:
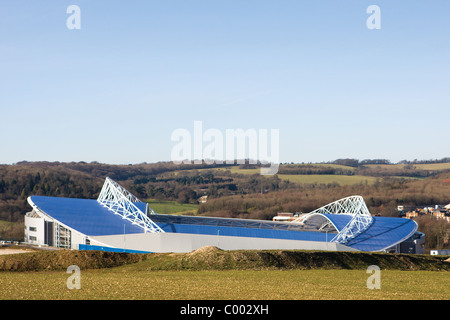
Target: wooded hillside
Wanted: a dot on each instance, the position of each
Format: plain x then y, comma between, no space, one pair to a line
233,190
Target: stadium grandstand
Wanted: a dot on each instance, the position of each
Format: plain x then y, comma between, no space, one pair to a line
118,221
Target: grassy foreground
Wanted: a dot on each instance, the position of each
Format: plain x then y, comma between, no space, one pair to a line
120,284
211,274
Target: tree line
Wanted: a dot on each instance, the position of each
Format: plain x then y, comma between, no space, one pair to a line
229,194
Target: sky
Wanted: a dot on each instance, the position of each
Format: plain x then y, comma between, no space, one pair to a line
116,89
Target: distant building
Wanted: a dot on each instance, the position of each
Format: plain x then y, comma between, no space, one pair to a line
403,208
284,216
412,214
437,211
203,199
440,252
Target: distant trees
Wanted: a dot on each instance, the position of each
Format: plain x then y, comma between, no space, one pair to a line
437,231
230,194
415,161
375,161
347,162
356,163
313,169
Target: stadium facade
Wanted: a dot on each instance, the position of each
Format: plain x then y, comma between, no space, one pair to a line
118,221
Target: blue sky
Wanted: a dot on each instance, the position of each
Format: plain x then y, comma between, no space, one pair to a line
115,90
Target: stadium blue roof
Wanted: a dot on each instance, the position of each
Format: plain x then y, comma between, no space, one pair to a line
236,228
338,220
383,233
86,216
91,218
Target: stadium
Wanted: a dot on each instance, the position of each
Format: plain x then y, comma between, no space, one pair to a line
118,221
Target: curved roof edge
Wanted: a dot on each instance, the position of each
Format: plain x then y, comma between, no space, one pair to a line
416,226
86,216
384,233
339,221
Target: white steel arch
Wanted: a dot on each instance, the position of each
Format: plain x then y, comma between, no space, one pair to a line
354,206
120,201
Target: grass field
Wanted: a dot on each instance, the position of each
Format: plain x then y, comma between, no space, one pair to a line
327,165
311,178
118,283
172,207
327,178
425,166
212,274
236,169
430,167
339,179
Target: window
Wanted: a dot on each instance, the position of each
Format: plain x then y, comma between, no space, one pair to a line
33,238
33,229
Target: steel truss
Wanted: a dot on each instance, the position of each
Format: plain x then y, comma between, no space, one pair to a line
120,201
63,236
353,205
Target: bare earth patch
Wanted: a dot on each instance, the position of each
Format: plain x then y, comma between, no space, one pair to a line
13,251
204,250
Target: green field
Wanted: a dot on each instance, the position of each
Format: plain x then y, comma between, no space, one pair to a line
213,274
118,283
425,166
172,207
310,178
342,180
236,169
327,178
326,165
